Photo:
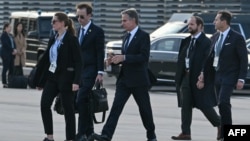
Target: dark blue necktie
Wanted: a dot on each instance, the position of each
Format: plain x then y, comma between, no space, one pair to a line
82,36
191,47
127,41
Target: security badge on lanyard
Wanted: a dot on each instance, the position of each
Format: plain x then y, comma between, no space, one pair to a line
187,62
52,67
216,60
218,47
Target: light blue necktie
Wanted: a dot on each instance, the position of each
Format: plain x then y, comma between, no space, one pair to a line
218,49
219,45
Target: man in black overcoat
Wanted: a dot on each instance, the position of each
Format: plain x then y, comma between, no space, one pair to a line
192,54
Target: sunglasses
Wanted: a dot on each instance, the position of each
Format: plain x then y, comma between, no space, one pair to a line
79,16
54,21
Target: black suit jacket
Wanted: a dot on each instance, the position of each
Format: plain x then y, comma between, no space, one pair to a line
68,63
134,68
92,49
205,97
6,49
233,60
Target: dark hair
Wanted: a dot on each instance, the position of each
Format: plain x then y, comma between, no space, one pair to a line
62,17
5,25
86,6
15,29
225,15
132,13
199,20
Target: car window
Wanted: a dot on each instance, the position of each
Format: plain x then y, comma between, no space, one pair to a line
167,44
170,27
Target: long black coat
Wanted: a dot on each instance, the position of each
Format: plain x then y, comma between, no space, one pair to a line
205,97
68,63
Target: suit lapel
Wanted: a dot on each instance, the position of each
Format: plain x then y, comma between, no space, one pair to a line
87,34
123,42
227,40
132,42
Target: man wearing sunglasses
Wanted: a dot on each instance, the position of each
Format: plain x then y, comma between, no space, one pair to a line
91,39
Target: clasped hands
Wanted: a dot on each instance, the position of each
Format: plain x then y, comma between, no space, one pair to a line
115,59
200,82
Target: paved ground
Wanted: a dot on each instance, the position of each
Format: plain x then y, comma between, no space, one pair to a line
20,118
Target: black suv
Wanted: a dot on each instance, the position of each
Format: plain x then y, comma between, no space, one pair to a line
37,26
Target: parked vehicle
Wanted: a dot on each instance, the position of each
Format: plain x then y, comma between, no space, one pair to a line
37,26
163,57
178,23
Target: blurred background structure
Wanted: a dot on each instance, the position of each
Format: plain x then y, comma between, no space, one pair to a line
153,13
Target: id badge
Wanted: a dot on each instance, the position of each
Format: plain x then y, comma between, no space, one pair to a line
52,67
216,59
187,62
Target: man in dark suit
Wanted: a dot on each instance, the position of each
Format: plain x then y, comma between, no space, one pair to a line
133,77
192,54
91,39
229,58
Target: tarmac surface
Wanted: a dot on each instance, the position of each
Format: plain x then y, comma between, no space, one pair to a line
20,118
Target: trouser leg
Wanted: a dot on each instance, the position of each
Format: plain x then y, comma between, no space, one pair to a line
48,95
187,106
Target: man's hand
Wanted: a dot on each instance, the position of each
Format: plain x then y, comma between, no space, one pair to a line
108,61
201,77
239,85
14,52
117,59
99,78
75,87
200,84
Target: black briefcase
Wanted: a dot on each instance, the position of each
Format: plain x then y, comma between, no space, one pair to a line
99,101
31,78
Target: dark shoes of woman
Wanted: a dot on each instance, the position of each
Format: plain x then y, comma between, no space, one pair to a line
5,85
46,139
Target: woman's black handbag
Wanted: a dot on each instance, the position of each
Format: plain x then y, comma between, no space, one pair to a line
58,104
99,101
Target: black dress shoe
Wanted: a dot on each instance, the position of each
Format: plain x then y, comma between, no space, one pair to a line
152,139
91,137
101,137
5,85
219,133
46,139
182,137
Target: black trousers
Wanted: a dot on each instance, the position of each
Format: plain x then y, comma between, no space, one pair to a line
187,109
50,91
142,99
224,93
85,119
8,65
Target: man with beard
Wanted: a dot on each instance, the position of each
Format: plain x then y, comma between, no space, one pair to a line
192,55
